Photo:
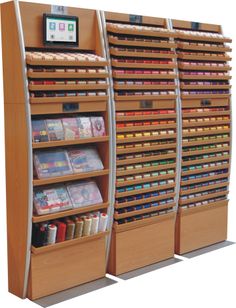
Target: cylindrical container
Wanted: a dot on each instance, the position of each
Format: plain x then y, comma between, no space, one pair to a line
94,226
87,226
70,229
52,233
79,224
103,222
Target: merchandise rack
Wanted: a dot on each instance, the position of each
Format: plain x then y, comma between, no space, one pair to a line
143,76
206,134
42,89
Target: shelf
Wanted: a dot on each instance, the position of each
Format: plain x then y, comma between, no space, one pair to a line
72,177
143,87
205,114
203,38
210,141
66,63
146,117
67,243
63,143
205,160
143,65
144,128
144,201
145,180
151,33
115,41
213,150
70,99
145,138
203,48
147,148
205,197
204,169
75,211
144,159
205,179
65,75
204,96
203,67
144,76
204,87
201,189
203,77
206,133
140,54
200,208
146,169
205,123
216,57
143,211
142,222
67,87
143,97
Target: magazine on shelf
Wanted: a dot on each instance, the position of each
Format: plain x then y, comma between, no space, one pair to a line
39,131
85,128
84,194
98,126
55,129
71,130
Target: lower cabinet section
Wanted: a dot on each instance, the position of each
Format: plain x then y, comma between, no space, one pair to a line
68,264
141,243
201,226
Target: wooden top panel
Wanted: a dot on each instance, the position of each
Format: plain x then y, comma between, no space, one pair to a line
32,23
126,18
183,24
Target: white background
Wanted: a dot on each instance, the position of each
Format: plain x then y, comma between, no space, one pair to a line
204,281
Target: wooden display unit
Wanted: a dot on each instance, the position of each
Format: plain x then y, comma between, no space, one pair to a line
206,135
38,85
143,76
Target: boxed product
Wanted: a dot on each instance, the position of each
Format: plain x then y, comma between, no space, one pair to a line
84,194
52,163
39,131
50,200
85,159
98,126
55,129
84,125
71,130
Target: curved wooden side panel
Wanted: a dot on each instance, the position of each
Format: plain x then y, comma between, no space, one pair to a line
16,147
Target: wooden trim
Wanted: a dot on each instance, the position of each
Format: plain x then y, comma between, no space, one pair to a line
210,141
143,87
203,77
203,67
185,46
201,189
149,148
208,169
205,123
71,212
143,211
144,128
66,75
143,65
209,196
205,179
67,178
143,97
144,190
198,152
118,42
204,57
187,25
205,114
84,239
144,76
205,87
156,55
51,144
144,159
145,180
203,38
145,169
67,87
208,132
143,201
205,160
204,96
146,117
136,139
72,99
66,63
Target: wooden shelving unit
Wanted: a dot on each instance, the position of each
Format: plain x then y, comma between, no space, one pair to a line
56,89
206,135
143,72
